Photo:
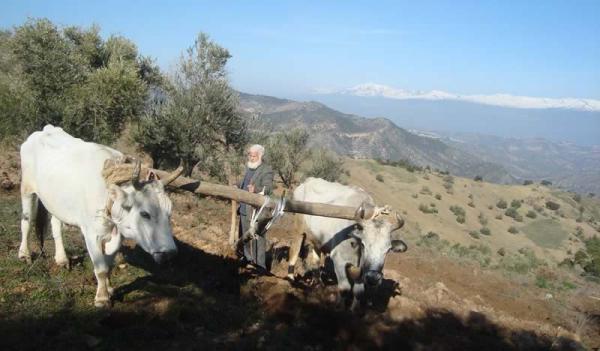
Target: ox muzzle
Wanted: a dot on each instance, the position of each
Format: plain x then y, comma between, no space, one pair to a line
163,256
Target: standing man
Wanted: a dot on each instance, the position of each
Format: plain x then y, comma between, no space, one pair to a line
258,179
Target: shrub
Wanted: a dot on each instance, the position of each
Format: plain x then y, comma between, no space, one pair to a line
501,204
426,209
325,165
531,214
474,234
379,178
577,197
471,204
478,178
482,219
457,210
499,217
551,205
415,196
527,182
515,204
425,191
490,207
511,212
513,230
485,231
546,183
461,219
438,196
501,251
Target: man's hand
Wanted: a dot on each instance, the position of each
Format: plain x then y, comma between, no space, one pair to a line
251,188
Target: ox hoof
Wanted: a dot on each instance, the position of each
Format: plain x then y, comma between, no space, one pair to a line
63,263
102,303
25,257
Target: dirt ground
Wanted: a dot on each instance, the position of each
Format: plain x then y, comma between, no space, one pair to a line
421,287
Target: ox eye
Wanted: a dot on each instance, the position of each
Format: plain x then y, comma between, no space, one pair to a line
145,215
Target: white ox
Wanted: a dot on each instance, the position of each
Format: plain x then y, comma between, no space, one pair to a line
356,248
63,174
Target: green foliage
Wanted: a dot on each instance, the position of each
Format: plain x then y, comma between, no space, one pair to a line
545,233
70,78
478,178
379,178
485,231
515,204
551,205
438,196
499,216
425,191
325,165
501,204
482,219
474,234
531,214
110,97
406,164
527,182
471,204
288,150
546,182
426,209
512,212
592,247
513,230
522,263
197,119
457,210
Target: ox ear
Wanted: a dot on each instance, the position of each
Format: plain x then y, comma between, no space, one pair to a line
152,176
399,246
118,196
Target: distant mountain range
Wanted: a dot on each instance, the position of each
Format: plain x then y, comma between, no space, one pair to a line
570,166
432,112
496,159
361,137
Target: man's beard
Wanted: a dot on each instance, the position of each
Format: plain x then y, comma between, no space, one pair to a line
253,165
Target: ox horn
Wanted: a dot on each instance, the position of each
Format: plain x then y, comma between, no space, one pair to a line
135,176
399,222
172,176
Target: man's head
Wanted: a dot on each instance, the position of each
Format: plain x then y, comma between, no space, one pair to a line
255,155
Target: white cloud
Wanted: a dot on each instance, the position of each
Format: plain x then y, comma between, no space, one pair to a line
505,100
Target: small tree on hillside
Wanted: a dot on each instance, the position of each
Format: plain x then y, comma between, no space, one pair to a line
325,164
286,151
198,121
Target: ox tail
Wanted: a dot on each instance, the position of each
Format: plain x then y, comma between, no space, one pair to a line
41,222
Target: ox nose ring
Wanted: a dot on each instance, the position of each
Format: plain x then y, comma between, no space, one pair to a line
373,278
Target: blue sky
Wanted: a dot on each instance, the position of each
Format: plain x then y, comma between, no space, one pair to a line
287,49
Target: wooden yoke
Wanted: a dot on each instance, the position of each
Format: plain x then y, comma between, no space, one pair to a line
257,200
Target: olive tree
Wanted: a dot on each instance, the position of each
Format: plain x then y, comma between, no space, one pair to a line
287,151
195,119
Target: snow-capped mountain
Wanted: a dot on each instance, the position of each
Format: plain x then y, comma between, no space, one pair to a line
503,100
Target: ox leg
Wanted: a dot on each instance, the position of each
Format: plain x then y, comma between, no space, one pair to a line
344,285
294,253
102,264
60,256
28,202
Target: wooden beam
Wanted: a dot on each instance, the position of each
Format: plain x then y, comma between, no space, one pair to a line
257,200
